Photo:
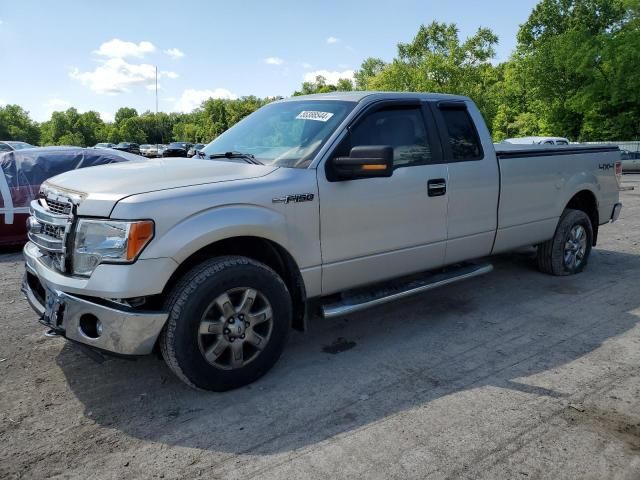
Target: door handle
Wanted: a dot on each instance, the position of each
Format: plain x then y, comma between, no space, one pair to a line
436,187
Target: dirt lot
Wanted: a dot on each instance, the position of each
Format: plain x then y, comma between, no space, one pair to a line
512,375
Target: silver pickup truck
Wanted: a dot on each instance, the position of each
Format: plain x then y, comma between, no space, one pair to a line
324,203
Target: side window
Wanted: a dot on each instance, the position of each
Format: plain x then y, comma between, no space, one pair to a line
4,148
463,138
400,128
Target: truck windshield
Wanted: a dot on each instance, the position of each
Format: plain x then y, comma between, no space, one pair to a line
284,134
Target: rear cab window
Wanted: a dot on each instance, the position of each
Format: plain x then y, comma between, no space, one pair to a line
460,138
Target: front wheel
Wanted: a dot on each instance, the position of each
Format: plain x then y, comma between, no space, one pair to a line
229,319
567,253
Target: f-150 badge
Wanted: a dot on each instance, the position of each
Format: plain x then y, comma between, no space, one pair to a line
296,198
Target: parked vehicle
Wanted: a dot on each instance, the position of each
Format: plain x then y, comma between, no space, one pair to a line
538,141
630,161
161,148
10,146
149,150
22,172
104,145
195,148
128,147
177,149
340,201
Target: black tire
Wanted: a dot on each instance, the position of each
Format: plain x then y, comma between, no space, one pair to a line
180,342
551,254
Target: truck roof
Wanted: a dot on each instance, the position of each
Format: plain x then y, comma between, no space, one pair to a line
357,96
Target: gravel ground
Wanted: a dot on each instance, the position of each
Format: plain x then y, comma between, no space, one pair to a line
512,375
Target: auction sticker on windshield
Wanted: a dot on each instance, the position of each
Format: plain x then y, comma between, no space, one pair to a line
313,115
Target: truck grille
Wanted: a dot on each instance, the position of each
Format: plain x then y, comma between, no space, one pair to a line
62,208
49,226
53,231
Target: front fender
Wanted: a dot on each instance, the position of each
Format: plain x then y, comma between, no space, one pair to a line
193,233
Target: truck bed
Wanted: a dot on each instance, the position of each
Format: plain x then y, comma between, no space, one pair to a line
507,150
537,182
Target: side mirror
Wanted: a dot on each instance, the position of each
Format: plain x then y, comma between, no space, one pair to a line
364,162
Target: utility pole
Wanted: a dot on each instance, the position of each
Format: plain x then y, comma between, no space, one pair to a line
156,91
161,133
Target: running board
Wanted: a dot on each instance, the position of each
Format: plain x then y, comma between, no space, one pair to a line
388,292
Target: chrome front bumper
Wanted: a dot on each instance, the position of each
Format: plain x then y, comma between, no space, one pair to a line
124,330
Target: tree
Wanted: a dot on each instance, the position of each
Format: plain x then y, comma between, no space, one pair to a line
577,56
124,113
436,60
130,130
15,124
369,69
320,85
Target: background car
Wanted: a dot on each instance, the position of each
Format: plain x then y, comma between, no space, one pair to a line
630,161
10,145
149,150
22,172
177,149
104,145
161,148
194,148
128,147
538,141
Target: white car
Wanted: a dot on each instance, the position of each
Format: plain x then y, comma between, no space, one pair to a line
538,141
149,150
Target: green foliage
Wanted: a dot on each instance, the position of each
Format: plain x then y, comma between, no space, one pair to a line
574,69
72,128
15,124
437,60
125,113
321,86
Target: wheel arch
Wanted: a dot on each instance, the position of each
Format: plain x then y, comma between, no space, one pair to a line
262,250
586,201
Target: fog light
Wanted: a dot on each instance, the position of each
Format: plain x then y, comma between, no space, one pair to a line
90,326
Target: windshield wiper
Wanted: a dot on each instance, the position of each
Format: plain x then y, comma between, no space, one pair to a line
248,157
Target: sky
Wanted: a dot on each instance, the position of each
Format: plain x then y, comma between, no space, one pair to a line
102,55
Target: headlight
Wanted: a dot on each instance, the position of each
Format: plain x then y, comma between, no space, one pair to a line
106,241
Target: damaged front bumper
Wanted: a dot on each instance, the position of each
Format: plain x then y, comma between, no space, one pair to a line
97,323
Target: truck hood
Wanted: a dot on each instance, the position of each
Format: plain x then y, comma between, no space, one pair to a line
102,187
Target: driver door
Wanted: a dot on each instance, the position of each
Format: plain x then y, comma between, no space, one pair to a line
373,229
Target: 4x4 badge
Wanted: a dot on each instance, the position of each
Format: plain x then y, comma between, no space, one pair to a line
296,198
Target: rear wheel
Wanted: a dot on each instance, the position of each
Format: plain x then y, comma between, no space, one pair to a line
228,323
567,253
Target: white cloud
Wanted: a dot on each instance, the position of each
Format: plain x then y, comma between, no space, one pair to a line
174,53
331,77
171,75
192,98
306,65
57,104
152,86
331,40
273,61
107,116
115,76
117,48
2,102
